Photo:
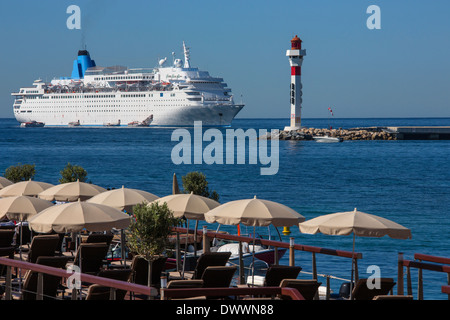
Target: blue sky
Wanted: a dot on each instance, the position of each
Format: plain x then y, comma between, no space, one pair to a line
401,70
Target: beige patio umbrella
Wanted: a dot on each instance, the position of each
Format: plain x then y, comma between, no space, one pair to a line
254,212
123,199
71,191
25,188
22,207
359,223
190,206
76,216
4,182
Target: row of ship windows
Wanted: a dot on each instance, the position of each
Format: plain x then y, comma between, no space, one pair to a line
121,101
87,111
124,78
96,110
150,95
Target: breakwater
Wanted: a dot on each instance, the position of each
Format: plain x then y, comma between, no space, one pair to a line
371,133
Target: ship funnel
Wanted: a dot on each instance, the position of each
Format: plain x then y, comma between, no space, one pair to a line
82,63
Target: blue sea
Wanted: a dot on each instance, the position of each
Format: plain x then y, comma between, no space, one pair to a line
404,181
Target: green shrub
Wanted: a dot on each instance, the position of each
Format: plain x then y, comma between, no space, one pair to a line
20,172
72,173
196,183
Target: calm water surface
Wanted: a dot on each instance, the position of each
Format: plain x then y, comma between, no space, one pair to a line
404,181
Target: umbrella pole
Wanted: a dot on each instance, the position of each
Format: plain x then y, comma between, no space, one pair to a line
122,251
195,238
20,254
353,267
185,249
253,257
279,235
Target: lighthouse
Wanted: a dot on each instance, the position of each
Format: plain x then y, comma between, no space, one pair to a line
296,55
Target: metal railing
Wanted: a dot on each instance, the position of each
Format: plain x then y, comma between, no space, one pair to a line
167,294
438,264
64,274
139,289
207,237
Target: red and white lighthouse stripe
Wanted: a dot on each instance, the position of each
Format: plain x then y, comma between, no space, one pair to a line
296,71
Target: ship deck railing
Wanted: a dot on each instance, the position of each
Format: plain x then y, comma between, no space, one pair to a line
108,90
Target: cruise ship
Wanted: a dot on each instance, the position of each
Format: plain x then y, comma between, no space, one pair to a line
167,95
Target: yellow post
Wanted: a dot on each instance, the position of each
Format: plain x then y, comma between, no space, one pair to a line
286,231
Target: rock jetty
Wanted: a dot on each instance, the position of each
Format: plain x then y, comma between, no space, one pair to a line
371,133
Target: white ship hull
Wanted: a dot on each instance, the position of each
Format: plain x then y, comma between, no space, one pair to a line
117,96
210,115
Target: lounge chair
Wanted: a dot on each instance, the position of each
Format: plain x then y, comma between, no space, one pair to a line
100,238
50,283
116,274
6,237
363,292
6,252
277,273
210,259
186,284
139,271
100,292
307,288
218,277
393,297
8,227
25,234
59,246
43,245
6,247
90,257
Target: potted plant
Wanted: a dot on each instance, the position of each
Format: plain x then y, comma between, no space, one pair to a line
148,234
